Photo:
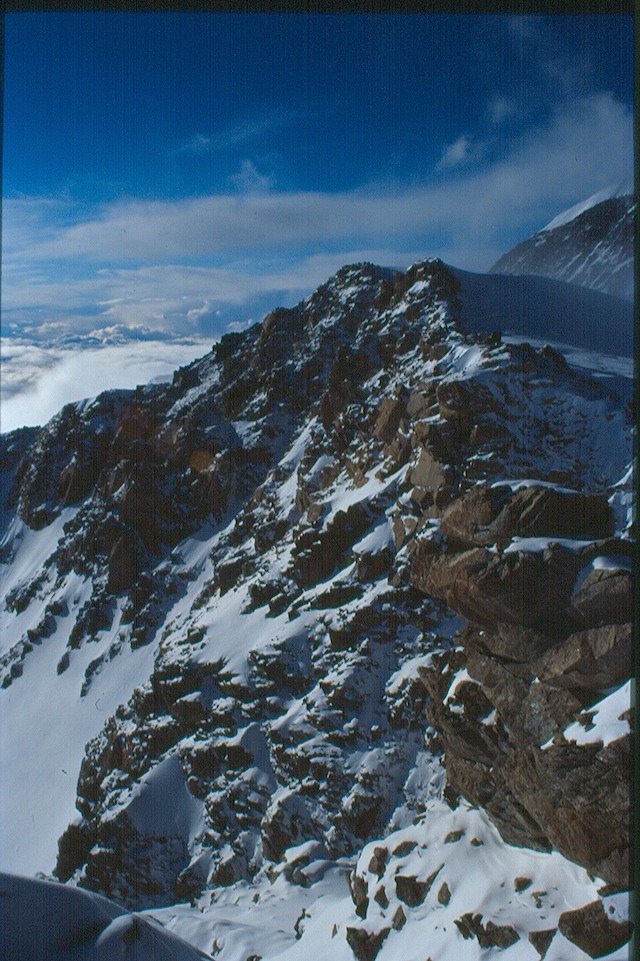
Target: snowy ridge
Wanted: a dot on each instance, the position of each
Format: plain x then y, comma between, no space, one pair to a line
265,629
623,189
591,245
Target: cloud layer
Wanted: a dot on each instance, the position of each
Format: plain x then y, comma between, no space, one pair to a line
191,267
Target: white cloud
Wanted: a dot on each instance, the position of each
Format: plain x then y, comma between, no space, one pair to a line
586,145
250,180
36,383
455,154
500,109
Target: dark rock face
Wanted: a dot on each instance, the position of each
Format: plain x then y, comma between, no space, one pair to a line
531,681
364,945
411,890
590,660
541,940
490,935
528,589
487,516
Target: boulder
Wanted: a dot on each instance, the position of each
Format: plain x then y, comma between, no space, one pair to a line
430,475
589,660
369,566
490,935
444,894
593,931
605,597
390,414
412,891
379,861
541,940
364,945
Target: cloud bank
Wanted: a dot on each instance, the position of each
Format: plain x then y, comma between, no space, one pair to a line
191,267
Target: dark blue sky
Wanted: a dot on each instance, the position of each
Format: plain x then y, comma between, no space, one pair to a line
159,106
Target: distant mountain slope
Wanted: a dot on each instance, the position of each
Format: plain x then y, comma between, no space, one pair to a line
539,308
590,245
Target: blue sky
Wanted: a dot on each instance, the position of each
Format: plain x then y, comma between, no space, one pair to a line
166,176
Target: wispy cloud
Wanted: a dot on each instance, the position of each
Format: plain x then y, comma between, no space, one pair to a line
455,154
250,180
242,133
585,145
500,109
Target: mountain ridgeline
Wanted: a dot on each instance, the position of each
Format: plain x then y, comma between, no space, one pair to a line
594,249
352,595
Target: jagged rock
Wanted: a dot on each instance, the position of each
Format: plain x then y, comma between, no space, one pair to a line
490,935
593,931
524,588
606,597
431,477
74,846
509,642
379,861
522,883
469,519
404,848
421,401
123,566
228,573
453,836
547,512
546,711
381,897
541,940
359,893
444,894
485,516
369,566
498,935
390,414
412,891
270,751
399,919
488,788
364,945
590,660
287,822
581,796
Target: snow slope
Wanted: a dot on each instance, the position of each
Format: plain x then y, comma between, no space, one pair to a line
540,308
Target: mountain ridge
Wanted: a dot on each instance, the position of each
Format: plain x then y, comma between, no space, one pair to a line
591,245
249,589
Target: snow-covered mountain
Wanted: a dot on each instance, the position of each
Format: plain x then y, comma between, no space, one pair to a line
326,644
591,244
